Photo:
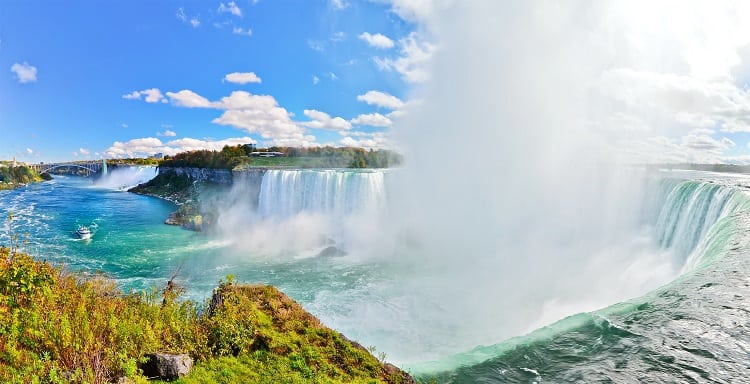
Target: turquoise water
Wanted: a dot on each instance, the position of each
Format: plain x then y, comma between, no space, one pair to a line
130,239
404,306
132,244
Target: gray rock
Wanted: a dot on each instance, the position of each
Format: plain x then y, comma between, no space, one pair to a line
214,175
167,366
331,252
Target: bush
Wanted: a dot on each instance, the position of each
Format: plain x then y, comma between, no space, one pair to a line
57,327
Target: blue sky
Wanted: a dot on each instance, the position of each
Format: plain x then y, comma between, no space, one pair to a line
85,79
92,79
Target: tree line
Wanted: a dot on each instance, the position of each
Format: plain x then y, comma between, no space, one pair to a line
232,156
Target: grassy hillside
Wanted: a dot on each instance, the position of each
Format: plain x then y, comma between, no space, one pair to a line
59,327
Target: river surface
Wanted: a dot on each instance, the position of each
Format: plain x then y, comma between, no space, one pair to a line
686,322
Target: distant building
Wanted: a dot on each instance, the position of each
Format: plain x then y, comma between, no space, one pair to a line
249,147
157,156
266,154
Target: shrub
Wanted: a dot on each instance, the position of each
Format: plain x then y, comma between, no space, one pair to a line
58,327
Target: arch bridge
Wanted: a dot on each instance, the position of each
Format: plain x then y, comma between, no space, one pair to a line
91,167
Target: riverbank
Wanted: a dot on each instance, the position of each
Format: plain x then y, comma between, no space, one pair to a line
14,177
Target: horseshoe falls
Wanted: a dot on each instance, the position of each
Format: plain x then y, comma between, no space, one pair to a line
691,329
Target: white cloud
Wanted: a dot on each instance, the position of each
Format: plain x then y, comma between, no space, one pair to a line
333,76
152,95
706,143
338,37
189,99
193,21
372,119
29,151
315,80
124,125
242,32
242,77
230,7
180,15
316,45
339,4
167,133
377,40
150,145
381,99
84,151
415,10
695,147
135,95
375,140
415,54
322,120
259,114
25,73
678,100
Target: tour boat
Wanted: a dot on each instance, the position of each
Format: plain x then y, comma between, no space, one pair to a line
83,232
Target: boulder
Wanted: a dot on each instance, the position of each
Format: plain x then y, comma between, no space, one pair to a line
167,366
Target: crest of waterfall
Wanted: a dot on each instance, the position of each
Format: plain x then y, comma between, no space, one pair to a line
695,218
339,193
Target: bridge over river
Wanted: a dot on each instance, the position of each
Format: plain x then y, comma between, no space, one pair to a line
88,167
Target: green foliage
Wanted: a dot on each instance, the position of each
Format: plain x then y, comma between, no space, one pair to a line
133,161
203,159
312,157
164,183
56,327
11,177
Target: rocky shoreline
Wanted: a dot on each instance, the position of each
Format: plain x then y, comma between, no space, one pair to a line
197,191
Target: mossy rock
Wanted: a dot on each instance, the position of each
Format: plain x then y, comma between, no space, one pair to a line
284,334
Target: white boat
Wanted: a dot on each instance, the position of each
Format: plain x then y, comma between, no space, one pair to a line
83,232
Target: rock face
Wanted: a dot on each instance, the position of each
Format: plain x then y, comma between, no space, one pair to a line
250,180
214,175
167,366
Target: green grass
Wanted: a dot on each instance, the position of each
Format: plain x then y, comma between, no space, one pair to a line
59,327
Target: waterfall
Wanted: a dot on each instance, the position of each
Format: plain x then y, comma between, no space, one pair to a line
695,217
303,212
285,193
125,177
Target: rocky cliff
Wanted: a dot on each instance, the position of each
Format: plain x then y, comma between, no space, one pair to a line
198,191
211,175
